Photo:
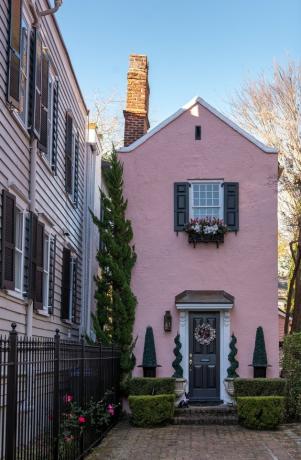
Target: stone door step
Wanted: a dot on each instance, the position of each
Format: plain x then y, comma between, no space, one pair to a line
206,415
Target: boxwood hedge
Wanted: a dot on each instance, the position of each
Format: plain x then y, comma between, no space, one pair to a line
259,387
260,412
151,386
150,410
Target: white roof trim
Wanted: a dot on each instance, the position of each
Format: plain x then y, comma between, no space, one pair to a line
204,306
186,107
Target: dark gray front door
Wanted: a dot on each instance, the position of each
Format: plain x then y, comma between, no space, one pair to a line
204,360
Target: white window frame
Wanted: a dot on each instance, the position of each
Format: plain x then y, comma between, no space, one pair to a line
221,196
72,265
24,73
74,134
46,271
19,251
51,83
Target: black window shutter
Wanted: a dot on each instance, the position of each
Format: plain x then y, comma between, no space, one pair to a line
14,61
68,153
231,205
44,103
75,311
66,283
51,275
55,115
37,84
76,164
38,297
26,257
181,205
8,240
33,229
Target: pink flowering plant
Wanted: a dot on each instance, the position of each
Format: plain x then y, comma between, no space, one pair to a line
206,226
75,420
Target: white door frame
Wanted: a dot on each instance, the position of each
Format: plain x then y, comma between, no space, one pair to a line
224,343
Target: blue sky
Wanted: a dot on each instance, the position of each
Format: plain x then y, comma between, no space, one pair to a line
195,47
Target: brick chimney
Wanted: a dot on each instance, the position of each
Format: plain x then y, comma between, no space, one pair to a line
136,112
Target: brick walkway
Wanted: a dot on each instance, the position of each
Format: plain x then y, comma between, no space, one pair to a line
199,443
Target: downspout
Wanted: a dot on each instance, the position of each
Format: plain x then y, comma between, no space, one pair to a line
33,154
32,207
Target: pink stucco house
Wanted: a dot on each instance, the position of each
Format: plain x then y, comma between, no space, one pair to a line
198,163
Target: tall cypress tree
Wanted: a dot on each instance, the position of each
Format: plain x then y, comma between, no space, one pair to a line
116,303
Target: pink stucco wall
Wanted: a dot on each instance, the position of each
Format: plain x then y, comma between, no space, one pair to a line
244,266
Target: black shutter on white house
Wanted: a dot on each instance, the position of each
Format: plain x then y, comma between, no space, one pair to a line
75,312
26,275
37,85
55,115
14,58
8,226
76,160
44,103
231,205
51,275
181,205
66,283
68,152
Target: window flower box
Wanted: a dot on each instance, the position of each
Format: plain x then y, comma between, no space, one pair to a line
206,230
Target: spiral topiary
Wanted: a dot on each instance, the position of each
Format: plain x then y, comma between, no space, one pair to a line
178,374
231,371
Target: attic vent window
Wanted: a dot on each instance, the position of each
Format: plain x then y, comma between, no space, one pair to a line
198,133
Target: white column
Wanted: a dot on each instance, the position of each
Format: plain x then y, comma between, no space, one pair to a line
225,324
184,337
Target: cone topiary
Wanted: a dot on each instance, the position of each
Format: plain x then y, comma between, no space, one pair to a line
178,374
231,371
149,362
260,354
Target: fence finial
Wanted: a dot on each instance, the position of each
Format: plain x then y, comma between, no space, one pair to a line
13,326
57,332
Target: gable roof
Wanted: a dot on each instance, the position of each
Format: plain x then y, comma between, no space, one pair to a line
211,109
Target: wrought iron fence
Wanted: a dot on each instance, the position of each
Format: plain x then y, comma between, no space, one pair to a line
36,374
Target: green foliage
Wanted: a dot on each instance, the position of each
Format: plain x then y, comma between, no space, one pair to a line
260,355
116,304
231,371
178,374
96,416
151,386
259,387
260,412
292,372
151,410
149,352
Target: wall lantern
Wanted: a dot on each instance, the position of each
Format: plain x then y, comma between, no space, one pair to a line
167,321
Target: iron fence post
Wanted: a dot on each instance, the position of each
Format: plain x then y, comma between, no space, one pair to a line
56,395
12,383
82,383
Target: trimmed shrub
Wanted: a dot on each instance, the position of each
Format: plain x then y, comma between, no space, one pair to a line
151,410
292,372
151,386
260,412
259,387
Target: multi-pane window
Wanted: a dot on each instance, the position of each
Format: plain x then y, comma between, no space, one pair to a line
46,270
19,252
71,292
24,71
206,200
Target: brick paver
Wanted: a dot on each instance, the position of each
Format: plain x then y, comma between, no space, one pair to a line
125,442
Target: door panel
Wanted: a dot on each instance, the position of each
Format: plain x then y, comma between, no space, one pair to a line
204,360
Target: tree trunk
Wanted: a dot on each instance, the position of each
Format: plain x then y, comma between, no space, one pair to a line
296,323
290,293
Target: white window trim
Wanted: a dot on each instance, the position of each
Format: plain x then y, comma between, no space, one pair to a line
21,291
74,134
72,265
24,123
46,272
52,77
221,195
